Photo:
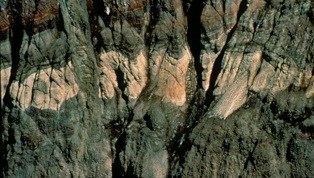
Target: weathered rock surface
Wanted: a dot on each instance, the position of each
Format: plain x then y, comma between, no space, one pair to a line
182,88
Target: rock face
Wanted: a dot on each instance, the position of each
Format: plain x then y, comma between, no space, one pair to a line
156,88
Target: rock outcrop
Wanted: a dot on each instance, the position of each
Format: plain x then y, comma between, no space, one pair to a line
156,88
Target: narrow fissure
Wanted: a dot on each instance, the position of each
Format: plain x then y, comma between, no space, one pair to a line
250,158
15,38
178,148
117,169
310,15
98,11
180,145
289,154
3,163
195,29
60,21
149,122
121,83
154,6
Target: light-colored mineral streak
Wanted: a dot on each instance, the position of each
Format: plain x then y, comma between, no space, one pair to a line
169,76
242,73
134,74
232,99
234,81
5,76
46,89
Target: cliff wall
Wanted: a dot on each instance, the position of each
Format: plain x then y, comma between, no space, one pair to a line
156,88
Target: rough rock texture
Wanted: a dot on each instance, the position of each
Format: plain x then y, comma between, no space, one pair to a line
157,88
